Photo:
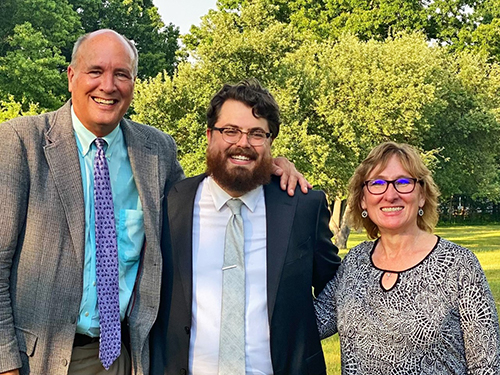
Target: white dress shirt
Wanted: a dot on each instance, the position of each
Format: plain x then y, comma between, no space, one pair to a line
210,218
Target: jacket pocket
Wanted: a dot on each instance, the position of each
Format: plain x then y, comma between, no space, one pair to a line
26,341
130,236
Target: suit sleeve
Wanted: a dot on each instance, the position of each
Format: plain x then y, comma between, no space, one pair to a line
14,188
326,260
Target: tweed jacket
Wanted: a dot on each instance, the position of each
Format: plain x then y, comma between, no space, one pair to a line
42,239
300,256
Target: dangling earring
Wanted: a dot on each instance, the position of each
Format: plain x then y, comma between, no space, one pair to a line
364,214
420,212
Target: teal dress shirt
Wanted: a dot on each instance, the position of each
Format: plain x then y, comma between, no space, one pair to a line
129,222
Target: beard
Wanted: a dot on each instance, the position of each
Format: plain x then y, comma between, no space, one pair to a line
239,179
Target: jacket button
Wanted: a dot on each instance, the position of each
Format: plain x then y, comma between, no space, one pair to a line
183,371
64,362
187,329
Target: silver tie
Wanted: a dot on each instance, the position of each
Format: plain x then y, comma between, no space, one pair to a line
232,327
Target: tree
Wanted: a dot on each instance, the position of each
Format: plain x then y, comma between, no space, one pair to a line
7,24
35,38
139,21
54,19
466,118
10,109
485,35
338,98
30,72
441,20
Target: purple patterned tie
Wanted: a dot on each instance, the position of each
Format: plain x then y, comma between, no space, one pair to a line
106,261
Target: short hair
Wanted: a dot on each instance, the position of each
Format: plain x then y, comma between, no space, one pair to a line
378,159
251,93
131,44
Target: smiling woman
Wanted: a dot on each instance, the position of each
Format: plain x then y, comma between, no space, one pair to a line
410,301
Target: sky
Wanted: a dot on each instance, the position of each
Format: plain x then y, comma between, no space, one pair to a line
183,13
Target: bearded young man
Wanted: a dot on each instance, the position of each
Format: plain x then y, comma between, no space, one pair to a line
240,256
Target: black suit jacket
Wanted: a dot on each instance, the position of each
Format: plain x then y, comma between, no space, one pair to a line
300,255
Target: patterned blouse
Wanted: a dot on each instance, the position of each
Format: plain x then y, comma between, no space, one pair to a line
438,318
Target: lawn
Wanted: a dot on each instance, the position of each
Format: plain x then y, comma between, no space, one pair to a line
483,240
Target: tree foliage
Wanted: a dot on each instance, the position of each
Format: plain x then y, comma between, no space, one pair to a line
139,21
459,25
30,71
374,19
339,97
54,19
35,39
10,109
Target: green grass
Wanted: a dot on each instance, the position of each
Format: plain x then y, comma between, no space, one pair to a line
483,240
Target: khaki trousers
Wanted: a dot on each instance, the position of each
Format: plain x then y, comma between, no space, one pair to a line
85,361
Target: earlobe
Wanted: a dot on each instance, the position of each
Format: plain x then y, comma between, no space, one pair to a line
363,203
421,202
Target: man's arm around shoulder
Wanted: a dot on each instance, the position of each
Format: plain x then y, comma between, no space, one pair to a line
326,259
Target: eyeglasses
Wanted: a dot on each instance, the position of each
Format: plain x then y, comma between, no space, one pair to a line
403,185
256,137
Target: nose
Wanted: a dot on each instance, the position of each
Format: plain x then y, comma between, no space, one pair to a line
391,193
107,82
243,141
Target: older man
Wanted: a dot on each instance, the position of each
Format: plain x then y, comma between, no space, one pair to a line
82,191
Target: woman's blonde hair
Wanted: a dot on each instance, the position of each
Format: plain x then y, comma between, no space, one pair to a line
413,164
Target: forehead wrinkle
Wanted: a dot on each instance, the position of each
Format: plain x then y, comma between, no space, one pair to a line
101,36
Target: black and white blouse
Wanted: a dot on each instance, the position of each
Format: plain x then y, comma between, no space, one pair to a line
438,318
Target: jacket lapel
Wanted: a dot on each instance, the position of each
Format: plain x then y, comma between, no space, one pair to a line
61,154
180,216
280,211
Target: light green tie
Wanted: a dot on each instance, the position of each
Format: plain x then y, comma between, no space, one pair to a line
232,328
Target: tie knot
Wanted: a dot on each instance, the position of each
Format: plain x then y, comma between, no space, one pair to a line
235,206
99,142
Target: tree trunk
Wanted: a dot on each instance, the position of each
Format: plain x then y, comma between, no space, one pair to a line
343,234
336,216
337,212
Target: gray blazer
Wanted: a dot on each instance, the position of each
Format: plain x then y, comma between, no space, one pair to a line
42,239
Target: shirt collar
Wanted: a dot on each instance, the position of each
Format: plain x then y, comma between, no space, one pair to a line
86,137
220,196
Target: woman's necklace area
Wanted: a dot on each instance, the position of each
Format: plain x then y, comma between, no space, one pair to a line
393,276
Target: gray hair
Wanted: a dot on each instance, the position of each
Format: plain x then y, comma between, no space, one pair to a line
84,37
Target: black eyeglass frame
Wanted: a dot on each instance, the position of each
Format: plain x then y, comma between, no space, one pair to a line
389,182
248,133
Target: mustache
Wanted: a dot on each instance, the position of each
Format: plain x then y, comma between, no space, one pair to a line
248,152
